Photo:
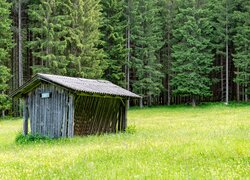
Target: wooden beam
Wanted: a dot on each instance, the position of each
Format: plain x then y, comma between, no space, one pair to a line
101,96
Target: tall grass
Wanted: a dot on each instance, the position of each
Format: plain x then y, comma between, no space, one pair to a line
180,142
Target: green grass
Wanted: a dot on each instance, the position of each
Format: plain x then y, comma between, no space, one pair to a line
207,142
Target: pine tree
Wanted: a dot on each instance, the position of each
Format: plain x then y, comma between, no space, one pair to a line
113,29
5,47
146,38
192,56
242,46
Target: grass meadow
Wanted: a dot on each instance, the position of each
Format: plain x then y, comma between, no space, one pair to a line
180,142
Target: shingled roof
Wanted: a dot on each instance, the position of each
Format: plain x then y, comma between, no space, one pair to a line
102,87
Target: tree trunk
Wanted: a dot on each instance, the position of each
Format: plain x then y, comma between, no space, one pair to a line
222,78
127,71
149,100
227,70
246,94
238,89
193,101
169,63
141,102
20,59
3,113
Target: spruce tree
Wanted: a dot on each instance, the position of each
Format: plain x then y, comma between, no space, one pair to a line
113,29
242,46
83,42
5,47
192,56
221,38
146,40
49,22
66,37
168,14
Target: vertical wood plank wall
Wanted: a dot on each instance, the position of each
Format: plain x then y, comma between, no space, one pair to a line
52,116
97,115
25,116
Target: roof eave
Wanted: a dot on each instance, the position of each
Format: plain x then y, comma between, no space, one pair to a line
38,78
25,87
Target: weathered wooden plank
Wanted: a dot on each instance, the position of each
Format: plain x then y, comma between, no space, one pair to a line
59,112
63,111
33,113
37,112
29,110
53,110
124,119
25,116
66,114
70,116
48,105
44,114
32,120
56,115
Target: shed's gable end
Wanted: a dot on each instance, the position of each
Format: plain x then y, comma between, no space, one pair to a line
51,116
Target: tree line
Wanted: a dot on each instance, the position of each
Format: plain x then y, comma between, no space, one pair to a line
167,51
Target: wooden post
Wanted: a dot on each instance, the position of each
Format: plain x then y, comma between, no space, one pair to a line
25,116
124,117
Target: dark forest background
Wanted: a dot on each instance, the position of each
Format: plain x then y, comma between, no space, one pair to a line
167,51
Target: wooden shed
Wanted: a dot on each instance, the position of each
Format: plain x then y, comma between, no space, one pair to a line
60,106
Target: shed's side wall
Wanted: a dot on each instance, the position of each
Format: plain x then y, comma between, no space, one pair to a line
96,115
52,116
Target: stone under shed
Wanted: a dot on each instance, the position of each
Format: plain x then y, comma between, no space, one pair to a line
60,106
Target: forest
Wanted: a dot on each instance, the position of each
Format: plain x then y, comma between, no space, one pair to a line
167,51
